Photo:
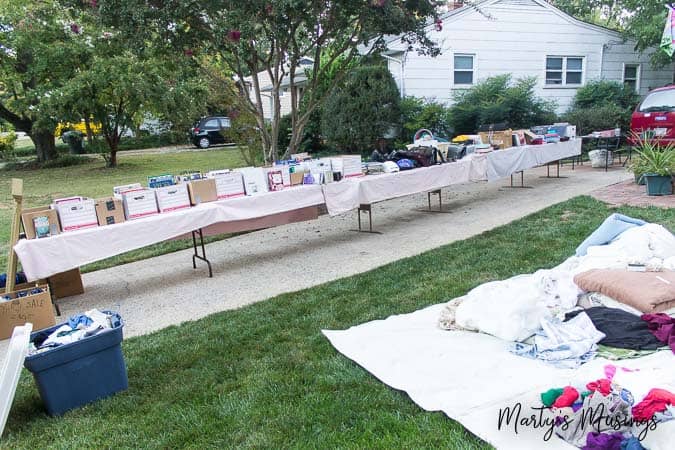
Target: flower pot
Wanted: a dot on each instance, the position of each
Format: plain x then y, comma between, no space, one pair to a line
658,184
640,179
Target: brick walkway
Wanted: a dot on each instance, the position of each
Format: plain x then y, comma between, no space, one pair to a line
629,193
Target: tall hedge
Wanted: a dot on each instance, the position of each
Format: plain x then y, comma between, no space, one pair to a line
419,113
366,107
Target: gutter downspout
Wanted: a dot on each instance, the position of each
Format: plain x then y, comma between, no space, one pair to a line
401,63
602,59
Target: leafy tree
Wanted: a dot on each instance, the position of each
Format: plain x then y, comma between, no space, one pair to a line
364,109
273,36
640,20
41,48
499,99
418,113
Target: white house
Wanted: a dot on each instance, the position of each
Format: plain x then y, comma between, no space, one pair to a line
284,90
524,38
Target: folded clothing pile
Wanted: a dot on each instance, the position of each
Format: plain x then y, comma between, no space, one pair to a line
78,327
530,309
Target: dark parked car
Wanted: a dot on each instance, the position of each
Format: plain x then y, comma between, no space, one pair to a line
209,130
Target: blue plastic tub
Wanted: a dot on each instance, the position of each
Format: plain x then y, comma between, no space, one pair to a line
81,372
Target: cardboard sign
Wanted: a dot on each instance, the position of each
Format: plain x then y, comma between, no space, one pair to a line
172,198
77,215
35,308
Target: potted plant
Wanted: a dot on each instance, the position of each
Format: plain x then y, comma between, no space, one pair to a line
657,164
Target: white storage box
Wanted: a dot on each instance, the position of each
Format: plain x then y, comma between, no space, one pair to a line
172,198
228,184
139,203
77,215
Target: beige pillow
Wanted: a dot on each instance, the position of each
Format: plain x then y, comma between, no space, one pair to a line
646,291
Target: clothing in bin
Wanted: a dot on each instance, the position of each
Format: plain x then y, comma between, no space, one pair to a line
79,361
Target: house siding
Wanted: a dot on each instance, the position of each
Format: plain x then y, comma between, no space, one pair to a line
284,101
516,39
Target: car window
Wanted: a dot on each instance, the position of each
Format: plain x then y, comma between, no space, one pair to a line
212,123
658,101
225,122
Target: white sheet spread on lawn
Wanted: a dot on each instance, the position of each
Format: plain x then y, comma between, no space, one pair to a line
471,376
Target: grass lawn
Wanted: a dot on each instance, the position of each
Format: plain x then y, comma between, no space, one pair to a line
95,180
263,376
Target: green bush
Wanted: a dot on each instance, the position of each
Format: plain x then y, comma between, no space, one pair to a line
499,99
596,118
7,141
416,113
365,108
601,92
601,105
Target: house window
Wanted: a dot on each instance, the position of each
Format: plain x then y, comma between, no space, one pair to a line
564,70
463,73
631,76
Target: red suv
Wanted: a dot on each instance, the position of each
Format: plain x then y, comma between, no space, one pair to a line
654,116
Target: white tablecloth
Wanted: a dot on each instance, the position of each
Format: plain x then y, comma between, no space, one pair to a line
41,258
503,163
349,194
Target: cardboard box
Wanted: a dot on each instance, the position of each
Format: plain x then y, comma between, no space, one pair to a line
501,139
28,218
351,166
172,198
139,203
202,191
77,215
296,178
109,211
229,184
67,283
34,308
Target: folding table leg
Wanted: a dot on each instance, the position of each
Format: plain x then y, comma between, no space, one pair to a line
196,255
366,208
548,169
522,182
440,203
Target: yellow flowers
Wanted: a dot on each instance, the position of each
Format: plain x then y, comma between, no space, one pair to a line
62,127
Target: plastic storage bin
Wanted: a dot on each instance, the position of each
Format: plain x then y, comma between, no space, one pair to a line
81,372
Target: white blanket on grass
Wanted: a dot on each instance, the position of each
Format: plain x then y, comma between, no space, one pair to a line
471,376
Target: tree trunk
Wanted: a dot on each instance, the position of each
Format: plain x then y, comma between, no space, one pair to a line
90,132
45,147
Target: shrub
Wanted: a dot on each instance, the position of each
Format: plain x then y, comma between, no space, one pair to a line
416,113
7,141
499,99
601,117
365,108
601,92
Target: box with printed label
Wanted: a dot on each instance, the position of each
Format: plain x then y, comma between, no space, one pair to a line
109,211
40,222
118,190
351,166
229,184
139,203
77,215
33,304
202,191
172,198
